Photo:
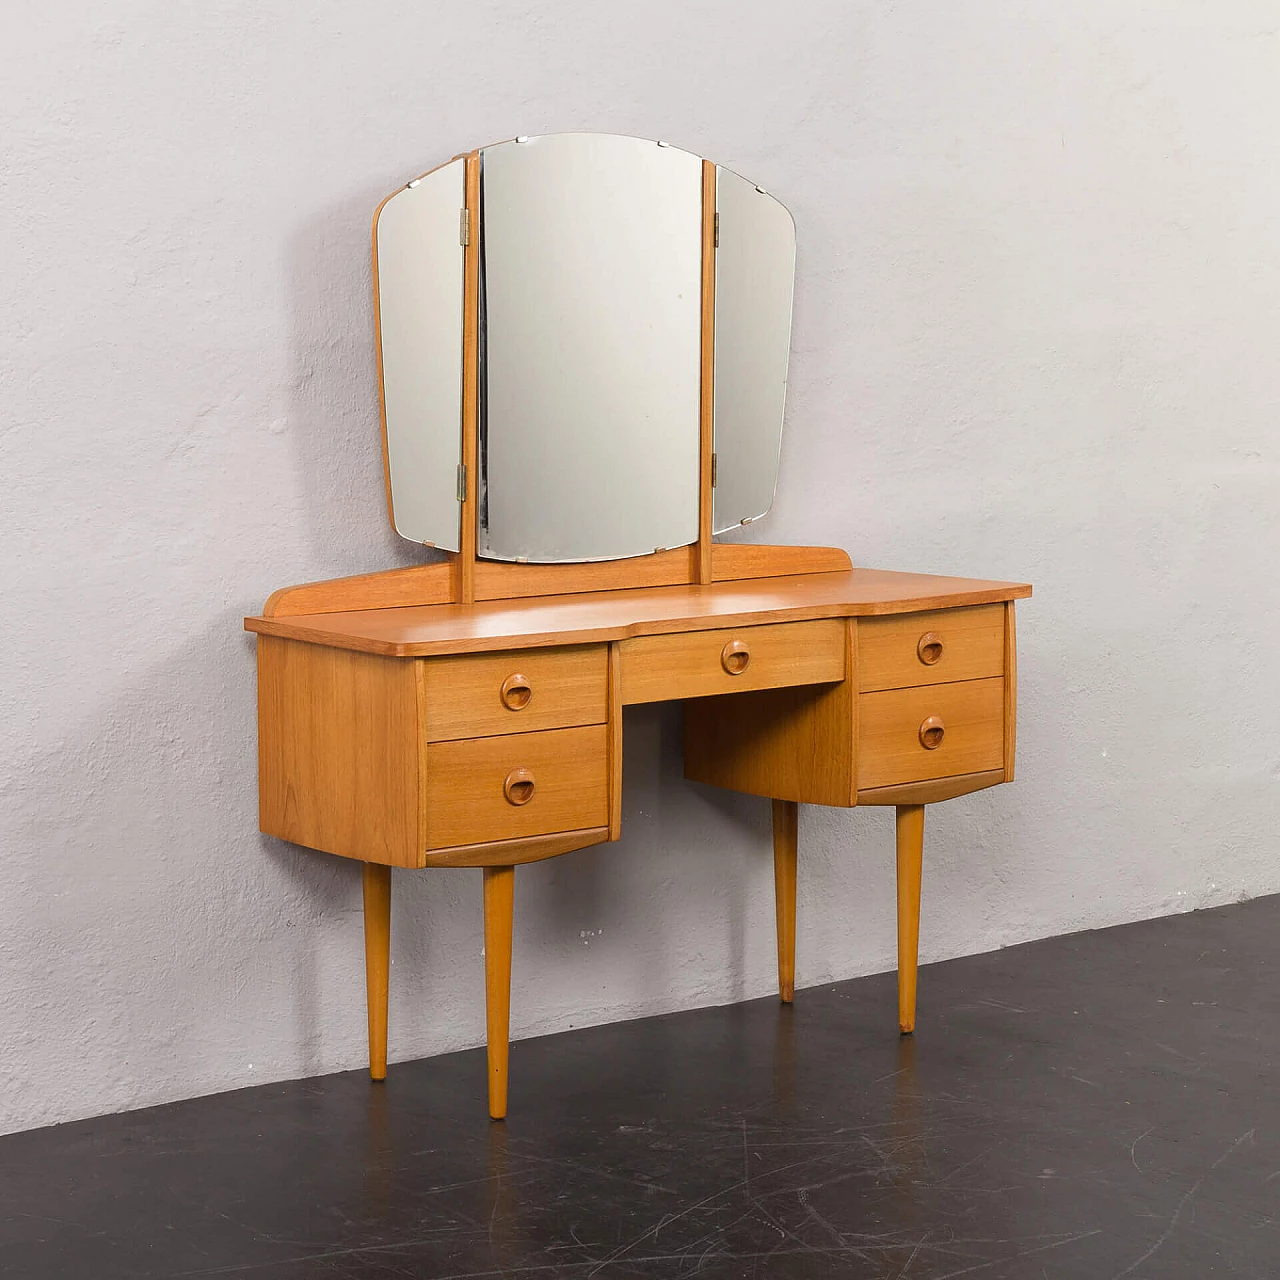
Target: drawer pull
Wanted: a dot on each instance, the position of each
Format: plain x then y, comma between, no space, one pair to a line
735,657
929,649
516,692
932,731
518,787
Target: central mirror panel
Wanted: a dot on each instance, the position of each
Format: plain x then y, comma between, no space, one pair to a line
591,274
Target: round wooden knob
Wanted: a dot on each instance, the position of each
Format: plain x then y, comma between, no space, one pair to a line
516,693
735,657
932,731
518,787
929,648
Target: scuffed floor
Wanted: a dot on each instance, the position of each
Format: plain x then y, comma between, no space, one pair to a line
1099,1106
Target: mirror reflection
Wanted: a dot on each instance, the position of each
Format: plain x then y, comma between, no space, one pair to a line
418,265
755,266
591,326
591,289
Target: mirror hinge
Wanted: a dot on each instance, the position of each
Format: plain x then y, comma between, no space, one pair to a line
717,233
462,482
713,470
464,227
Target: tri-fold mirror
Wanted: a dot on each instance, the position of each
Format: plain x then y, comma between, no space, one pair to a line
627,290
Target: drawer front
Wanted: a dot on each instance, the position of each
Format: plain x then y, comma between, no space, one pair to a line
476,695
521,784
937,731
695,664
938,647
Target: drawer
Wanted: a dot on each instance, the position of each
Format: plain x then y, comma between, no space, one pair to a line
520,784
930,648
475,695
937,731
695,664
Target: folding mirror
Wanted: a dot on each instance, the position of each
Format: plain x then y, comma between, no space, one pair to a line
607,295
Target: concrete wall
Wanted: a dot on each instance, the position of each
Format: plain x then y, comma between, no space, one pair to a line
1037,317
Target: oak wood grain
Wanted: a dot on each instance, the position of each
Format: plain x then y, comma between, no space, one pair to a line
615,744
436,583
708,372
889,748
909,825
697,664
465,800
499,580
377,961
567,686
419,584
499,895
338,751
792,744
732,561
785,845
970,644
466,558
1010,692
932,790
616,615
512,853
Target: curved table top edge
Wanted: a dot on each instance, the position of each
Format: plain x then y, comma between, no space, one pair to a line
417,631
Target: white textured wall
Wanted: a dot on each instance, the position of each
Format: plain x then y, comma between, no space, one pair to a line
1037,318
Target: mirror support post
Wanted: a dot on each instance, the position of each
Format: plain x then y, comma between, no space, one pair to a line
466,576
707,406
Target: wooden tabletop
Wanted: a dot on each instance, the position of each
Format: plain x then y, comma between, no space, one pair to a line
596,616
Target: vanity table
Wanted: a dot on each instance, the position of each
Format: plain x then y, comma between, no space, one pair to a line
583,344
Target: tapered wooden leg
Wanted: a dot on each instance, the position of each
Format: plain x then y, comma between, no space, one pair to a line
499,886
785,839
910,826
377,961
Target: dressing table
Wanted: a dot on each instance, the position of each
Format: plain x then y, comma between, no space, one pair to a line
583,344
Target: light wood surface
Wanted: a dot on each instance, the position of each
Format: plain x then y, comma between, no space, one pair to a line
338,756
496,580
615,743
436,583
932,790
703,663
377,961
791,743
511,853
910,842
851,684
890,751
785,844
566,686
466,559
392,588
708,362
1010,691
465,780
616,615
971,644
735,561
499,892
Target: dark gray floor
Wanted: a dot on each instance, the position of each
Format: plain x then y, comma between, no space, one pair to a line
1097,1106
